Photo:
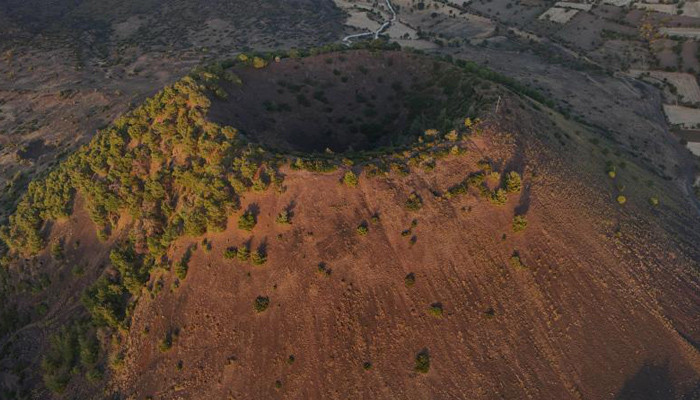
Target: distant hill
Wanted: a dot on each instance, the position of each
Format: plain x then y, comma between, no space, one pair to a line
99,28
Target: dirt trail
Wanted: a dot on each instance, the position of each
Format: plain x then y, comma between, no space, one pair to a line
382,28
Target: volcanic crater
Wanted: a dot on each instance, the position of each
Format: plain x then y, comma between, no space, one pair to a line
346,102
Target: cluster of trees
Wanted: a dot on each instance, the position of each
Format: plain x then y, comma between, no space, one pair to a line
163,163
75,349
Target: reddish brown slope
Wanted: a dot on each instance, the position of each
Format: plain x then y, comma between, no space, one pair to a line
594,315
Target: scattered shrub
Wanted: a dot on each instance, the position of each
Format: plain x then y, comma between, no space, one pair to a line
410,280
519,223
261,303
242,253
621,199
57,251
259,62
230,253
362,229
283,218
323,269
247,221
350,179
515,260
206,245
436,310
499,197
513,183
654,201
167,343
414,202
367,365
181,268
258,257
422,362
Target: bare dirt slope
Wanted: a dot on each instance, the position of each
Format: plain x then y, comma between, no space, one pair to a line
606,306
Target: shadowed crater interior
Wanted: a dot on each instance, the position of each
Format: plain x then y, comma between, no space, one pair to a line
347,101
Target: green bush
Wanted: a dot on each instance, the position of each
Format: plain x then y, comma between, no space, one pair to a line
654,201
515,261
621,199
283,218
350,179
414,202
243,253
519,223
362,229
323,270
247,221
314,165
181,268
166,343
436,310
422,362
410,280
57,251
258,257
58,363
499,197
230,253
261,303
512,182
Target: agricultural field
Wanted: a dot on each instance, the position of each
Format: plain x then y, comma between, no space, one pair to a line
680,87
685,117
559,15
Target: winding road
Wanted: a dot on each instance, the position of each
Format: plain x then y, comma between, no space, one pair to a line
348,39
